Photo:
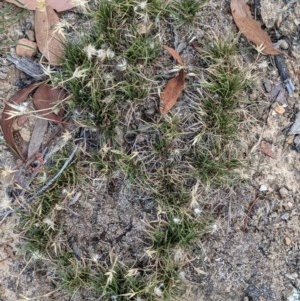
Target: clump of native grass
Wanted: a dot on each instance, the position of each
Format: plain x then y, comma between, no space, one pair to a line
111,74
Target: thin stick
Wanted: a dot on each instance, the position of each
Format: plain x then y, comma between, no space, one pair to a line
46,186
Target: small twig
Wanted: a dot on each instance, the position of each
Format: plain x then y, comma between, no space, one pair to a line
47,185
249,211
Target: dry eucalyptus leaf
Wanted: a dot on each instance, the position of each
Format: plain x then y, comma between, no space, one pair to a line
175,85
251,28
174,54
58,5
172,92
50,42
45,99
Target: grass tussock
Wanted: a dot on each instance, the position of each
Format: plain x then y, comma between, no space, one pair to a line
111,74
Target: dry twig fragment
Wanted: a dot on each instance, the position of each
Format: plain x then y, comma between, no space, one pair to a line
175,85
37,135
251,28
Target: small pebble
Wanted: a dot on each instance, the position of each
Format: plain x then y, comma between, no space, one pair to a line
292,276
285,216
283,44
279,109
288,206
26,48
263,188
140,138
290,139
150,111
283,192
197,211
181,47
287,241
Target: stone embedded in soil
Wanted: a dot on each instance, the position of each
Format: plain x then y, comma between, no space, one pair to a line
283,15
292,276
263,188
287,241
288,206
270,12
283,44
284,193
26,48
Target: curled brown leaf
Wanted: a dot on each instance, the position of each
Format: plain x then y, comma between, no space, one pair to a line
45,99
7,122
